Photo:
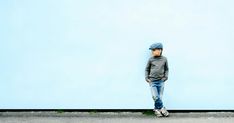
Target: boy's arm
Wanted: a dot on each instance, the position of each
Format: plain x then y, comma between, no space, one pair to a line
166,71
147,71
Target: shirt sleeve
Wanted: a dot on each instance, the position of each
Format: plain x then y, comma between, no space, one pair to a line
166,71
147,70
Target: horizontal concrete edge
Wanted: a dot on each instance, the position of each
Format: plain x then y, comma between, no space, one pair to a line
109,110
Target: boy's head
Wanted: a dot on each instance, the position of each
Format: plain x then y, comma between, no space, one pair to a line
156,49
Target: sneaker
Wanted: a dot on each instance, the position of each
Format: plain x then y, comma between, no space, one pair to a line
157,113
164,112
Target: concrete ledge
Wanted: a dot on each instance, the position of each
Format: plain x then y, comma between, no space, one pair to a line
114,114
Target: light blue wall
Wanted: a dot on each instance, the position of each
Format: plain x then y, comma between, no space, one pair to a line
84,54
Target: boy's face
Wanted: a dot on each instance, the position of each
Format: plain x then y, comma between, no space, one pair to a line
156,52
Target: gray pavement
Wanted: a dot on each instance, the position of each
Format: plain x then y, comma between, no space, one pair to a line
114,117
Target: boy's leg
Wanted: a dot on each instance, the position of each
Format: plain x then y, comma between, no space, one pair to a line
160,91
155,95
157,91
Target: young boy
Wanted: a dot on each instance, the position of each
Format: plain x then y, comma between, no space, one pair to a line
156,73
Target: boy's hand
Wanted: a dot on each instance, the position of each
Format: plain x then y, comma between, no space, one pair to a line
148,80
164,79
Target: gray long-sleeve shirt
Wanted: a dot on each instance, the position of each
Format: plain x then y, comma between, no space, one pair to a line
157,69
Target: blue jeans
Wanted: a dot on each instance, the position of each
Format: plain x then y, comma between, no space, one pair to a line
157,88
